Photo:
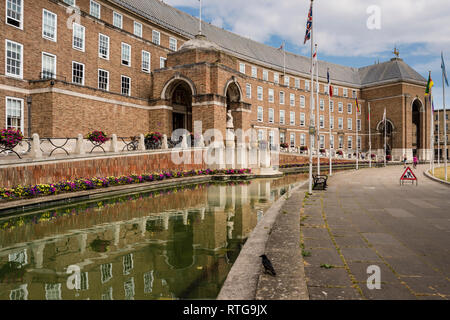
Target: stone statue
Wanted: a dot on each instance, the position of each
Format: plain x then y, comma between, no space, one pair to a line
229,120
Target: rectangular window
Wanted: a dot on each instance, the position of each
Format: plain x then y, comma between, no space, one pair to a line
349,124
271,96
302,101
292,118
345,92
126,54
331,106
106,272
162,62
292,140
242,67
359,142
286,81
77,73
332,142
48,66
248,91
331,122
103,46
297,83
358,124
336,91
326,89
302,139
321,122
78,37
271,115
307,86
125,86
349,108
14,113
259,93
145,61
354,94
14,13
265,75
276,78
254,72
173,44
282,117
49,25
302,119
341,142
281,97
260,135
282,137
137,29
260,114
322,105
340,107
117,20
14,59
271,137
156,37
321,141
70,2
103,79
292,99
340,123
350,142
95,9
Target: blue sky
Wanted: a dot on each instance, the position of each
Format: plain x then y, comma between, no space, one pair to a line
420,29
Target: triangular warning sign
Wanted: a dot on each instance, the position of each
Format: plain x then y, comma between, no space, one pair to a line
408,175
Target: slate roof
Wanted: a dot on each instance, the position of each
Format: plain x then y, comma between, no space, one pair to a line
187,25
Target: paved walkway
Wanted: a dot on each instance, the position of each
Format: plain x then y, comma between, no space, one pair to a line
366,218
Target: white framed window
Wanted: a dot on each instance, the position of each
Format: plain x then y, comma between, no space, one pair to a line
20,293
358,124
248,91
271,137
265,75
307,85
326,88
126,54
282,120
117,20
349,108
297,83
173,44
106,272
137,29
340,142
359,142
349,124
48,70
103,79
70,2
259,93
322,142
331,122
354,94
271,115
316,87
148,282
321,122
276,78
261,135
254,72
14,113
345,92
292,139
128,263
302,119
53,291
302,101
322,105
162,62
78,73
302,139
281,97
340,107
156,37
125,85
49,25
292,118
242,67
340,123
292,99
145,61
94,9
286,81
14,13
336,91
14,59
349,142
78,37
332,142
260,114
331,106
271,96
103,46
282,137
129,289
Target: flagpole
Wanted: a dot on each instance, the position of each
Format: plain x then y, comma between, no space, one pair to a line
329,124
357,148
385,152
311,140
370,142
200,20
284,58
445,118
318,113
432,136
439,143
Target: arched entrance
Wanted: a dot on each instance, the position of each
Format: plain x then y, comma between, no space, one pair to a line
233,94
389,135
416,127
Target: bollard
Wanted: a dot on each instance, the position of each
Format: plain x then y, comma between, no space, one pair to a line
35,151
79,147
164,142
141,145
114,147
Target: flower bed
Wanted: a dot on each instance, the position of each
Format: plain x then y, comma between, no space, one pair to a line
27,192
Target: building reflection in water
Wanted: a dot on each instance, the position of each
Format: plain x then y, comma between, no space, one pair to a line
176,244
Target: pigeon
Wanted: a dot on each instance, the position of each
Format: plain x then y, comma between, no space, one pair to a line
268,268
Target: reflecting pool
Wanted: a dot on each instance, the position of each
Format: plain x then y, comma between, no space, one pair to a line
178,243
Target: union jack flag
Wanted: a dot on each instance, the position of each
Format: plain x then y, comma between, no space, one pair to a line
309,25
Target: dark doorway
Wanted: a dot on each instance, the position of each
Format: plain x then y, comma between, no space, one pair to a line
416,127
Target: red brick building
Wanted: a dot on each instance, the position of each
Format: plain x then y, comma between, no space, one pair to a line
134,66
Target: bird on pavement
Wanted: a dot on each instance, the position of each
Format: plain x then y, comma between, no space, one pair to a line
268,268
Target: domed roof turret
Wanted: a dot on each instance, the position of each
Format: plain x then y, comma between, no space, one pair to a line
199,42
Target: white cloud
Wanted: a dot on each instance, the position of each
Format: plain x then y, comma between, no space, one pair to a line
340,26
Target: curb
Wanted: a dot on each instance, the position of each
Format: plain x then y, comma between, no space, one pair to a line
426,174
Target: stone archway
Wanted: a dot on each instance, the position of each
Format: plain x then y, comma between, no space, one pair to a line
390,135
417,125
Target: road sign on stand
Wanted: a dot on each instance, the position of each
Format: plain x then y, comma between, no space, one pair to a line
408,175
